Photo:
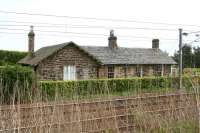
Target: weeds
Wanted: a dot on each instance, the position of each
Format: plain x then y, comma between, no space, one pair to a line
159,110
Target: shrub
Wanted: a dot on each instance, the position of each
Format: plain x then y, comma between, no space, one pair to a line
87,88
191,71
11,57
15,83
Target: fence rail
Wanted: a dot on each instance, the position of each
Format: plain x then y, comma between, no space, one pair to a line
116,114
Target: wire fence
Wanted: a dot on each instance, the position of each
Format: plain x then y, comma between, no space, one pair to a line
141,113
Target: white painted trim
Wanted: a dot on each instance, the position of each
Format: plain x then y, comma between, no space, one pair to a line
69,72
162,72
171,71
141,71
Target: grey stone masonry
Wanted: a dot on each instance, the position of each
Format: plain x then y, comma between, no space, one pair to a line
52,67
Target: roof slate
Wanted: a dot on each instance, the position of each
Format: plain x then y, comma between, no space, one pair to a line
106,55
41,54
123,55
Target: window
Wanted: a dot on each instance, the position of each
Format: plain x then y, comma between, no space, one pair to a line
173,71
69,73
146,69
110,71
158,70
125,71
139,70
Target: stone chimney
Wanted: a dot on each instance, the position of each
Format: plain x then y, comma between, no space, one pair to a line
112,40
155,43
31,36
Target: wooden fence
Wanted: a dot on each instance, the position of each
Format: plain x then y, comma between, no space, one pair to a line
110,115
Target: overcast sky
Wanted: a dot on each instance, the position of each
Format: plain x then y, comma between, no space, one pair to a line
94,32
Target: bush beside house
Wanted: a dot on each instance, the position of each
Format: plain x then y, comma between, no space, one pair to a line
10,57
191,71
88,88
15,83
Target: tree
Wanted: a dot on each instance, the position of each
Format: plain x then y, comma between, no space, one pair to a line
197,57
187,56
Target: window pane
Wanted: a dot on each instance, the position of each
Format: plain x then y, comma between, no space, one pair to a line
139,70
69,72
69,75
65,73
158,70
110,71
73,72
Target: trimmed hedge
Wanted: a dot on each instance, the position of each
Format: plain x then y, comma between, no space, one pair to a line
15,83
87,88
10,57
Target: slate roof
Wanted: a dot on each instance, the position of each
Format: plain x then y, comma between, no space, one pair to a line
106,55
41,54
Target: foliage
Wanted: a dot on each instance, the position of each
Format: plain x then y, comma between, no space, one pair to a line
187,56
190,59
15,83
192,71
156,123
197,57
89,88
11,57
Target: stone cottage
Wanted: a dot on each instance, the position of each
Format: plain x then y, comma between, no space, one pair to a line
69,61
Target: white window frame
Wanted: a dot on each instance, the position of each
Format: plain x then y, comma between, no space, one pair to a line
172,70
111,74
141,71
69,72
158,70
162,72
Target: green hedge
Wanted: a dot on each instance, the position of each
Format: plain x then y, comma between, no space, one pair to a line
15,83
10,57
87,88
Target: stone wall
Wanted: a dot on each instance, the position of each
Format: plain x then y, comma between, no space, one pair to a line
119,72
52,67
148,70
123,71
103,72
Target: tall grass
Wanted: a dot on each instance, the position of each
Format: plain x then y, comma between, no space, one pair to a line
26,104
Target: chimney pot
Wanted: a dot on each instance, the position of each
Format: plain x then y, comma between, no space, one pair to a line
155,43
112,40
